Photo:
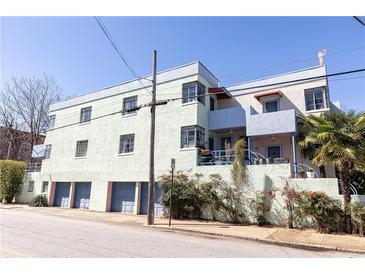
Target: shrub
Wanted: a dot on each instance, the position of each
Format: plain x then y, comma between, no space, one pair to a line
261,206
187,201
358,217
39,200
11,179
325,211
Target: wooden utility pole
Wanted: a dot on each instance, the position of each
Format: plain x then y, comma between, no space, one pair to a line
150,211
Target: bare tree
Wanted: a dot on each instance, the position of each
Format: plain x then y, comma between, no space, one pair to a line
24,106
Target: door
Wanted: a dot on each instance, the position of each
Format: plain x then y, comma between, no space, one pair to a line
82,195
156,198
62,194
123,197
273,152
224,141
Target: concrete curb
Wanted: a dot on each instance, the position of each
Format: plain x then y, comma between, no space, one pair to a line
274,242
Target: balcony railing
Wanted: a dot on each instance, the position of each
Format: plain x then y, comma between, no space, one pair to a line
34,167
217,157
226,118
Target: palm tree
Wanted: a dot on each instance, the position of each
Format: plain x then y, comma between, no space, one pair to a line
340,137
307,149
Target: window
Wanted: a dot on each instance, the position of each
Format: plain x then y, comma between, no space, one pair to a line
47,152
85,115
192,136
271,106
315,98
44,186
126,143
129,103
191,92
30,186
52,119
81,148
273,152
211,100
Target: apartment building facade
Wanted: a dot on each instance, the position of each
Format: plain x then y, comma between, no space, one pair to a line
97,157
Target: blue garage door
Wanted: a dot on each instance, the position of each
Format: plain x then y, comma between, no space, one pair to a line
123,196
62,194
82,195
156,198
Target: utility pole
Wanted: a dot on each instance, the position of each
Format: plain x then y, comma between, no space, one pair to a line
150,211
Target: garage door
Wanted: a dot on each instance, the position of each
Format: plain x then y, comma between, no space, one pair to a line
82,195
62,194
156,198
123,196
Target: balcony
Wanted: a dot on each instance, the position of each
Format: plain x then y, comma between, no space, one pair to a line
226,118
34,167
271,123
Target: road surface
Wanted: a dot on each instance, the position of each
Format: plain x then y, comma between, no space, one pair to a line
31,234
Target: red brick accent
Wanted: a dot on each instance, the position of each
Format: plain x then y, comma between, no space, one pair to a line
72,194
109,196
51,193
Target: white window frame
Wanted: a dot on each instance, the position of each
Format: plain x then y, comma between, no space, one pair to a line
190,136
47,151
126,143
43,184
270,100
52,120
85,114
30,186
78,148
135,99
193,90
312,92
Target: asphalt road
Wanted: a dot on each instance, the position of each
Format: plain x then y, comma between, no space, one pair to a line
29,234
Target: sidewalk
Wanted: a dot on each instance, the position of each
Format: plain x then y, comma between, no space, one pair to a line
274,235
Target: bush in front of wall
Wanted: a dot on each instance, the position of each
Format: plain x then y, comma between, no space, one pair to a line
358,217
11,179
39,201
187,202
325,211
261,206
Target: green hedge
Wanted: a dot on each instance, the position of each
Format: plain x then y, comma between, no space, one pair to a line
11,179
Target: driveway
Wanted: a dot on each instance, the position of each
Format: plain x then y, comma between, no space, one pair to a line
33,234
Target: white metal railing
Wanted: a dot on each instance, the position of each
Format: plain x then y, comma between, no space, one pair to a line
305,168
226,157
217,157
34,167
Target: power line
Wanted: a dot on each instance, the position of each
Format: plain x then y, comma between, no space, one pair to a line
166,101
357,18
289,63
119,52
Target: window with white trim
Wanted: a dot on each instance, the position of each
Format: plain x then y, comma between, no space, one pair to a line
44,186
192,92
85,115
126,143
315,98
129,103
30,186
192,136
52,119
271,105
81,148
47,151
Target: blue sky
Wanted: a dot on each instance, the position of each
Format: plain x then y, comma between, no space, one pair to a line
77,54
